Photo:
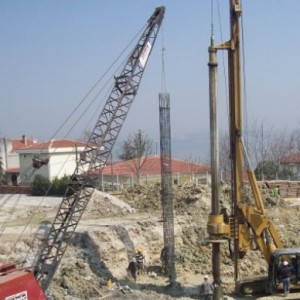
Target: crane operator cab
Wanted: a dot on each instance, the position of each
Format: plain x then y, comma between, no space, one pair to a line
278,259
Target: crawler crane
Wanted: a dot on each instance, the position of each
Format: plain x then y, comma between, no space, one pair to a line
22,284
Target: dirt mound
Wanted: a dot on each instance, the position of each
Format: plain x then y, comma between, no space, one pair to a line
116,243
103,204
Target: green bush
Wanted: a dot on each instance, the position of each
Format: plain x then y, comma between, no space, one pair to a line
42,186
5,179
59,186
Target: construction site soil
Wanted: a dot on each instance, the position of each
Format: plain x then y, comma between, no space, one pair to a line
113,226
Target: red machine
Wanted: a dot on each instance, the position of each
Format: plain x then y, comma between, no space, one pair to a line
18,284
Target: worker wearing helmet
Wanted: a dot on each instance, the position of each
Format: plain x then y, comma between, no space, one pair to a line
207,289
140,259
285,274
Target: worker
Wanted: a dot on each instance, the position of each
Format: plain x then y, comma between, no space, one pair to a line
132,268
164,257
285,275
276,193
225,213
207,289
140,259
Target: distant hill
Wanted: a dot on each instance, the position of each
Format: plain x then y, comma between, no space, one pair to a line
192,146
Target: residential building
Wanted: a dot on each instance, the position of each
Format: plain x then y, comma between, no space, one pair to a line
291,163
58,159
9,157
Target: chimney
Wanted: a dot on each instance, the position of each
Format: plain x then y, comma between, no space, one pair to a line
24,139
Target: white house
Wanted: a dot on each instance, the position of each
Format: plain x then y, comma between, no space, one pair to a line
60,155
9,156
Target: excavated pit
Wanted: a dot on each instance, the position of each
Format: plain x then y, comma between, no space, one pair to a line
112,227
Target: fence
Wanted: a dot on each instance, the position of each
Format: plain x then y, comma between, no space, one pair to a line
10,189
118,182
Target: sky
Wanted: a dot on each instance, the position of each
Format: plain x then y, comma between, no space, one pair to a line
53,52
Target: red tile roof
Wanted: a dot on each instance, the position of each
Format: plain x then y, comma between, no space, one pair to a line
152,167
293,158
20,144
54,144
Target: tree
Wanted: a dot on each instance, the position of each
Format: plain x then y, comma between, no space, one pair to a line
265,144
282,144
268,144
136,148
270,171
296,135
267,168
59,186
258,140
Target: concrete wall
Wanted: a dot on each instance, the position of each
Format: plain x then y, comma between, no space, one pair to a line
7,189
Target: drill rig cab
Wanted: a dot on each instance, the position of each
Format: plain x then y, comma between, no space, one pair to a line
292,256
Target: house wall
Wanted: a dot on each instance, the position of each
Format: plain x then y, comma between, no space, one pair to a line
9,159
61,164
4,145
27,171
2,156
13,160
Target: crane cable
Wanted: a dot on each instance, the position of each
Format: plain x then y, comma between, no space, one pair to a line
84,99
223,62
93,88
87,95
9,214
33,213
245,102
244,82
13,208
163,72
94,98
224,68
